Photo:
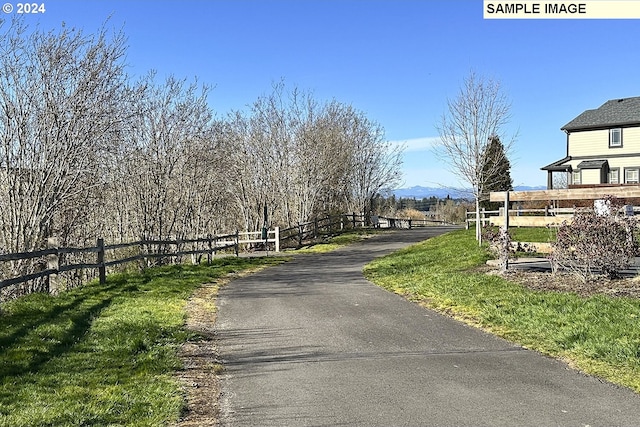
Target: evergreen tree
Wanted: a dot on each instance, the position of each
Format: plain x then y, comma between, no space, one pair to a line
496,170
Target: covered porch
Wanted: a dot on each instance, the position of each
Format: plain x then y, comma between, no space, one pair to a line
558,174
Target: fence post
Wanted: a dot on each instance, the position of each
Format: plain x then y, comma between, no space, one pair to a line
209,242
277,239
102,271
341,222
354,220
300,234
142,253
52,264
178,258
506,225
409,223
315,228
237,243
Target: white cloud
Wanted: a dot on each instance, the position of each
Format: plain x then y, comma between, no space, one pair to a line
418,144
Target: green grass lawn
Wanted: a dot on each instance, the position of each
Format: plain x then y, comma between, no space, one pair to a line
102,355
599,335
339,241
532,234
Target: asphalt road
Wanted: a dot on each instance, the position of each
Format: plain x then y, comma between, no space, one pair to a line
312,343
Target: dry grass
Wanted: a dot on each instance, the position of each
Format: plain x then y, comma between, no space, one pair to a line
200,373
410,213
200,376
567,282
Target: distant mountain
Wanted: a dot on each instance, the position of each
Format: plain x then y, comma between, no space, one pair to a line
419,192
528,188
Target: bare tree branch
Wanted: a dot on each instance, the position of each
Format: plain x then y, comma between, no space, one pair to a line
479,113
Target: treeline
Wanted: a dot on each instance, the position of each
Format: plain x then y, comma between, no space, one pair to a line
424,204
87,151
446,209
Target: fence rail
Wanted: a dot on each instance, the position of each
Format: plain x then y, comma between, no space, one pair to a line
295,236
550,216
522,217
302,232
393,222
211,245
54,257
172,248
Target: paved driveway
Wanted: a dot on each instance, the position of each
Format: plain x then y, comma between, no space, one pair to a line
312,343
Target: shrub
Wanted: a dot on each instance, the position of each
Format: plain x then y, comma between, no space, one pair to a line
410,213
452,212
595,244
500,243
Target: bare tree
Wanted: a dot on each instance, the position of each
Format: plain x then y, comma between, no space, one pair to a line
375,162
167,159
86,153
321,157
560,179
60,94
254,161
301,158
476,116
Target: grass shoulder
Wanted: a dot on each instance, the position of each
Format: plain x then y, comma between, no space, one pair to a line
533,234
103,354
597,334
331,243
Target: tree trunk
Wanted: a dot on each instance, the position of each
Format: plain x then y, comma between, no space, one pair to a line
478,223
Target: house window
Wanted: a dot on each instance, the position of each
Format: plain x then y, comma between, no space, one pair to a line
615,137
614,176
632,175
575,177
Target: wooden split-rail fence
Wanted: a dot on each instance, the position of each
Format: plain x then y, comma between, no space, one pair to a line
302,232
550,215
522,217
55,260
209,246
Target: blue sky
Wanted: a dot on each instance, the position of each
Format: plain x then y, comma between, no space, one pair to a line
396,60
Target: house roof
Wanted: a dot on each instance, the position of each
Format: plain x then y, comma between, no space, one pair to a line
593,164
615,112
559,165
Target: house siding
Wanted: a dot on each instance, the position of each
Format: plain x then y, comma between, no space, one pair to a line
625,162
592,176
588,143
596,142
630,141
